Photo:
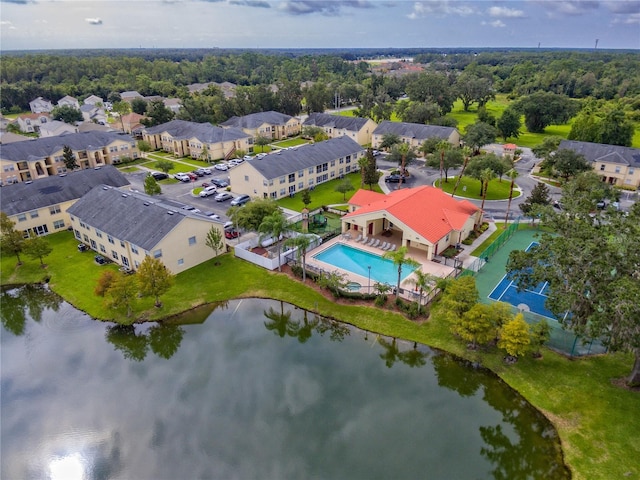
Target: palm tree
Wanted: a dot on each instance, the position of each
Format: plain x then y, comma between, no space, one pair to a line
389,140
399,258
392,352
466,151
423,281
485,177
301,242
274,225
513,174
280,322
443,146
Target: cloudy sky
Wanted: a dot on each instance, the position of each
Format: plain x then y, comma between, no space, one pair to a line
51,24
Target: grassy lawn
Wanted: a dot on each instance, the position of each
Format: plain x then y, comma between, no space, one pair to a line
325,194
497,190
291,142
129,169
346,113
594,418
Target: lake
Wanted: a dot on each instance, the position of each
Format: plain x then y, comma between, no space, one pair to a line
249,389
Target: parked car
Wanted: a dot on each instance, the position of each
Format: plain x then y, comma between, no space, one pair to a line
376,153
213,215
198,173
247,157
159,175
191,209
83,248
218,183
240,200
261,156
192,176
183,177
395,178
100,260
231,233
222,197
221,166
601,205
206,170
208,191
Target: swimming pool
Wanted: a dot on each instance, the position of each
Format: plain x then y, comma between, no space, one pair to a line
357,261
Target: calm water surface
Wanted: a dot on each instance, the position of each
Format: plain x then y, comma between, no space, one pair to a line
261,390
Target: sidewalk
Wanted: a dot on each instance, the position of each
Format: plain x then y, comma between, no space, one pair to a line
465,256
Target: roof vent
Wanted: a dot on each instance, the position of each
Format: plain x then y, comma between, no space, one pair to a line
124,195
28,182
146,204
62,175
169,212
97,168
105,187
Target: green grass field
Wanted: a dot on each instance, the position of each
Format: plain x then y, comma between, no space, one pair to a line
291,142
470,188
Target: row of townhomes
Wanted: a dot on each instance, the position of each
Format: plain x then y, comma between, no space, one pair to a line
358,129
616,165
286,172
271,125
444,223
151,227
414,133
42,157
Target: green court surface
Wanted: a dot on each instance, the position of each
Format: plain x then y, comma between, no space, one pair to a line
491,274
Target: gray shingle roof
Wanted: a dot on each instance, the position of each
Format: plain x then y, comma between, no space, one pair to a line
276,165
254,120
352,124
594,152
414,130
44,147
205,132
25,197
146,222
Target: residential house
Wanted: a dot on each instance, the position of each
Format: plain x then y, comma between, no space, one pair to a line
128,96
198,87
617,165
414,133
40,105
286,172
272,125
55,128
93,113
31,122
198,140
356,128
40,207
423,218
130,122
151,227
95,127
69,102
93,100
43,157
173,104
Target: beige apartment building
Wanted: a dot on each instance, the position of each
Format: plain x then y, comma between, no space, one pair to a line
358,129
414,133
272,125
619,166
43,157
286,172
40,207
198,140
151,227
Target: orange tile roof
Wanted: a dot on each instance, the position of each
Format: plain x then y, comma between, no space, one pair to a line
426,210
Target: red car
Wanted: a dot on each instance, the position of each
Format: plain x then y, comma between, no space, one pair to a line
192,176
230,234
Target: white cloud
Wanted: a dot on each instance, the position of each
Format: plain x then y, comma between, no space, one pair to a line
440,7
93,21
505,12
495,24
629,7
568,7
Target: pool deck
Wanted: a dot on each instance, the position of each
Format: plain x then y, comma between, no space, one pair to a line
426,266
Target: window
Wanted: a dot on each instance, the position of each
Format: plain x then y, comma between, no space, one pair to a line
192,241
348,159
283,192
246,178
22,217
311,170
114,254
58,224
136,263
110,238
98,233
333,163
93,244
274,195
311,181
292,189
341,171
157,253
300,173
41,230
631,171
54,209
300,185
134,249
348,169
602,167
283,179
77,234
181,261
102,249
341,161
617,169
85,238
125,260
34,214
292,178
333,173
121,243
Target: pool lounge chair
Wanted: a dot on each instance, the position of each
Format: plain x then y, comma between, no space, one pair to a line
371,242
364,239
393,248
359,238
376,243
385,246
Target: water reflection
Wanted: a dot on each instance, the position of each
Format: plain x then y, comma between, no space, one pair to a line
256,391
30,300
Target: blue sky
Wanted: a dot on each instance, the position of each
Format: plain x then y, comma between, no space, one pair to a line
53,24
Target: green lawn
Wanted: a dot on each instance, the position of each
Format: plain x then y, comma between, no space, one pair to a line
596,421
497,190
325,194
291,142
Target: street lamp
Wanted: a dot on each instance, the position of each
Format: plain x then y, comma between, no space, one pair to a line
369,280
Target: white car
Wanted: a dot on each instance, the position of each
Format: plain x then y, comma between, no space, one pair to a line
247,157
208,191
221,166
261,156
183,177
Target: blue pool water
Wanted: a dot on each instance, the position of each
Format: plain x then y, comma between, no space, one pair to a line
357,261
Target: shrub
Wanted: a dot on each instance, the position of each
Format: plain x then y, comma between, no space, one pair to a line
380,300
